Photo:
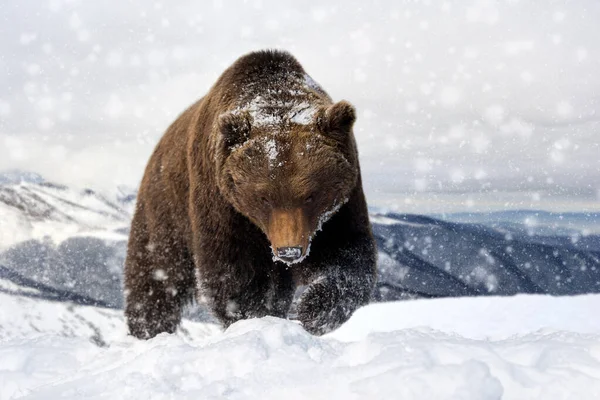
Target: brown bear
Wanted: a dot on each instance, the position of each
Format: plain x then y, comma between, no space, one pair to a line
253,190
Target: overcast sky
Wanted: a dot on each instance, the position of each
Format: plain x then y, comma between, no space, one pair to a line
461,104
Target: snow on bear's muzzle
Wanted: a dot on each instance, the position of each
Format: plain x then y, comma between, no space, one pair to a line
289,234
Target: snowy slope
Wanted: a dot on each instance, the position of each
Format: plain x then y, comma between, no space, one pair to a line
538,347
36,210
75,240
429,257
23,316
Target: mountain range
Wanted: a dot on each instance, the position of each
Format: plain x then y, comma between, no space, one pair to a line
65,244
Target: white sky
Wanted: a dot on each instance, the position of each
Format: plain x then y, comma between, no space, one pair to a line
462,104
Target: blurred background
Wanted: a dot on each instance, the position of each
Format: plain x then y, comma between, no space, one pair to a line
463,105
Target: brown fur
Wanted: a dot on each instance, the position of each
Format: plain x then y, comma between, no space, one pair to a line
288,227
224,190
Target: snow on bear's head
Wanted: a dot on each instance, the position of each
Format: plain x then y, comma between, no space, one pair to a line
288,178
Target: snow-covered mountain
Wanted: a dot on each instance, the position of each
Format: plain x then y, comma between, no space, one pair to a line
62,333
430,257
36,209
67,243
71,244
533,222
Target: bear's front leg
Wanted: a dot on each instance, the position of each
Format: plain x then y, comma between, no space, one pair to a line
235,295
159,280
339,286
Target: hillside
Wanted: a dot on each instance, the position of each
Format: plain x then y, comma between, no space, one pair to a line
71,244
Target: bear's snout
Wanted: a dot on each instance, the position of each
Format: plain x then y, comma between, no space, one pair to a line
288,232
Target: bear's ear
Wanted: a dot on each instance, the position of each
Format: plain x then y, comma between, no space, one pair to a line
235,128
337,119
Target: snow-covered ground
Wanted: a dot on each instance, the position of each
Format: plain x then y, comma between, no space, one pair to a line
525,347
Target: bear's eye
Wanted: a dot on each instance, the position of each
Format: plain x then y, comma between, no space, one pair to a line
265,201
309,199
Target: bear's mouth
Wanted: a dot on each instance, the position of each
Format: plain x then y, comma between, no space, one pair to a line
290,255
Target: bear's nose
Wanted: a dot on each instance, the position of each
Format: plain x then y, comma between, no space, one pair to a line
289,254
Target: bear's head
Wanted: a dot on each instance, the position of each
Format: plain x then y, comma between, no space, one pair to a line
288,179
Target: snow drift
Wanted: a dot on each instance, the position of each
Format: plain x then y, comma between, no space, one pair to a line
526,347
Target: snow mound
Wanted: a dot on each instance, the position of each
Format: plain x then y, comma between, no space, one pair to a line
26,316
271,358
478,318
